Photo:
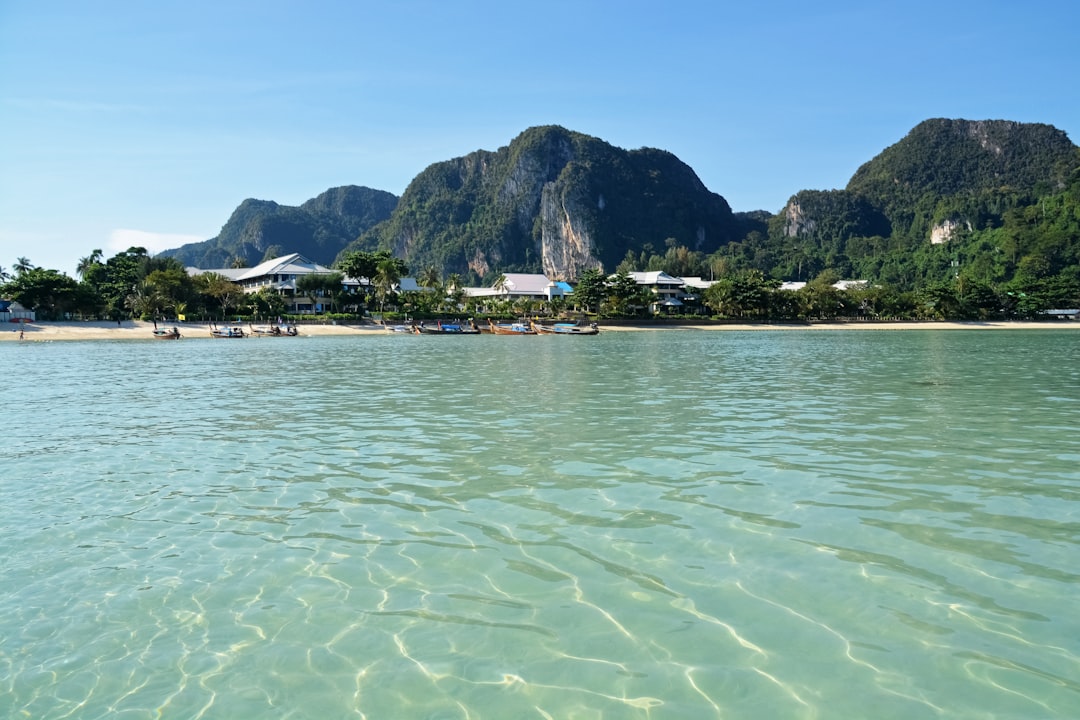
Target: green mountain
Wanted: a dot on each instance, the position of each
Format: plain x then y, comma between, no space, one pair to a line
318,229
552,201
943,201
993,202
946,159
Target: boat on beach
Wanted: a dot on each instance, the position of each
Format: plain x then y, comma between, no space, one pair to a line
229,331
170,334
566,329
517,328
279,330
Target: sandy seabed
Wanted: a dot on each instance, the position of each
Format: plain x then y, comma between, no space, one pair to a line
138,330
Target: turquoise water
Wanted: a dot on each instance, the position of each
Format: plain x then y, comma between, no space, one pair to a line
667,524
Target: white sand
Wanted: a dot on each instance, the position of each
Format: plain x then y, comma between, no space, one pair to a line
138,330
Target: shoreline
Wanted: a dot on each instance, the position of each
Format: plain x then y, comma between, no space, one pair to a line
140,330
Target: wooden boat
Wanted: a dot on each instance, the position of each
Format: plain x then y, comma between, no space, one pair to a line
517,328
170,334
441,328
227,332
273,330
566,329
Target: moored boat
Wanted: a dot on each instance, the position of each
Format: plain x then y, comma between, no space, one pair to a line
517,328
280,330
441,328
170,334
566,329
227,332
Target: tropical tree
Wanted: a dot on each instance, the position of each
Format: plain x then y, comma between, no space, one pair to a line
311,286
118,278
333,285
88,262
624,293
591,289
745,294
430,278
455,292
266,303
48,292
387,275
227,293
171,284
22,265
144,300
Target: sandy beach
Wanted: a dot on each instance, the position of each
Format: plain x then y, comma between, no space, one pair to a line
138,330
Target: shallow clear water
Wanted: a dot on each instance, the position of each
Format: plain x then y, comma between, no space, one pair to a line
668,524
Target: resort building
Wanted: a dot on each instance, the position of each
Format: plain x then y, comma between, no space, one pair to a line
667,290
522,286
280,275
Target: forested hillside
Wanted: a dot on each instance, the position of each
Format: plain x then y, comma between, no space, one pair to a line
263,229
552,201
987,204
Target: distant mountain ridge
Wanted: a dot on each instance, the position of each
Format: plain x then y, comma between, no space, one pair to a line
262,229
561,202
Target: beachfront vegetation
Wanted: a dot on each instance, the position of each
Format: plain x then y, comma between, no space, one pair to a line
959,219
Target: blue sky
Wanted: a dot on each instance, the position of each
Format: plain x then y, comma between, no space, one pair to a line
146,122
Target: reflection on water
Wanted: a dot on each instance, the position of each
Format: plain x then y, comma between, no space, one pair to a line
659,524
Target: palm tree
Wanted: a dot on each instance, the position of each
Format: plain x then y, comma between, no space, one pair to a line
387,275
430,278
94,258
4,275
333,286
22,265
310,285
144,300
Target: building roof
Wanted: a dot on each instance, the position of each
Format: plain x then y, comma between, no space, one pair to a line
291,264
526,283
697,283
230,273
839,285
522,284
656,277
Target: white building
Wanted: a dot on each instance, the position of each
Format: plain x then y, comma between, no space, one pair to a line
515,286
280,275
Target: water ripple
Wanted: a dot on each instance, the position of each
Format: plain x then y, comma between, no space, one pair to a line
669,524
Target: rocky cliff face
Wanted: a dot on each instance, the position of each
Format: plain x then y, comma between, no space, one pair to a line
795,221
566,247
944,231
553,201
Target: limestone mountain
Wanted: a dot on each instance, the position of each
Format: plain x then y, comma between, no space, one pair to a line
946,180
552,201
317,229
